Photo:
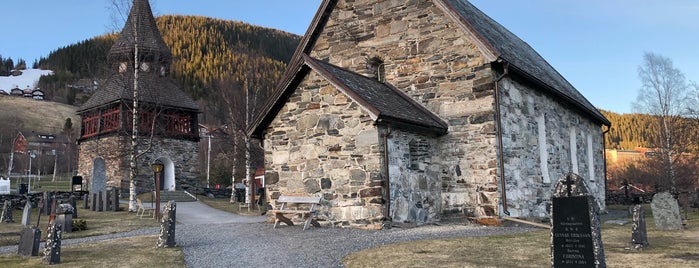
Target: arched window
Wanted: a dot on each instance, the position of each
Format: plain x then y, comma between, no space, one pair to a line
376,68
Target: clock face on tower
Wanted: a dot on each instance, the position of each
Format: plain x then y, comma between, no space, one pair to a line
122,67
145,66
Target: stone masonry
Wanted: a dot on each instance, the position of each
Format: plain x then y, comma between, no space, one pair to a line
115,151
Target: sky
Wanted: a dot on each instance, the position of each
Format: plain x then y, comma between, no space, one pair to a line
597,45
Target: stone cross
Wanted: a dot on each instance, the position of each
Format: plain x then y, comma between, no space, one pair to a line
576,240
29,242
27,213
52,249
166,239
666,212
639,237
7,216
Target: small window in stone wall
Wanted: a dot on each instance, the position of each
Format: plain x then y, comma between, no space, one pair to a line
418,154
376,68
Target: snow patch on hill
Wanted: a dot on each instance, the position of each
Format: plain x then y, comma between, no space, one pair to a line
28,79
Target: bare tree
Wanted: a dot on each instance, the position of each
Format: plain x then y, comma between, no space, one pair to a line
664,94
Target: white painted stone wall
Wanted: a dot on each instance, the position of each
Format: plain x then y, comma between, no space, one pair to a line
543,140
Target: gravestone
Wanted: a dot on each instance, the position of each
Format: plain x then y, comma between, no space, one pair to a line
105,201
73,203
64,217
166,239
98,182
93,207
576,240
48,203
52,248
639,236
115,199
86,201
7,216
29,242
27,213
666,212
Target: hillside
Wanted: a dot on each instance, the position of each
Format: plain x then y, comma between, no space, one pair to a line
640,130
207,53
28,114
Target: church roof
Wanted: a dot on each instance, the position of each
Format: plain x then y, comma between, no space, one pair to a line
383,101
498,43
154,88
141,24
523,58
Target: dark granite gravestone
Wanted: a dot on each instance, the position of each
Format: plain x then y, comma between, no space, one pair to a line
105,201
86,201
100,201
73,203
52,249
48,203
639,237
27,213
65,220
114,199
166,239
93,207
29,242
666,212
576,240
7,216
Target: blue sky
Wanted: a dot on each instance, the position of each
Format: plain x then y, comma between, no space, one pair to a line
596,44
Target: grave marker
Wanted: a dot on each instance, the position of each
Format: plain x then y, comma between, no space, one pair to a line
166,239
576,240
7,216
666,212
639,237
26,213
29,242
52,249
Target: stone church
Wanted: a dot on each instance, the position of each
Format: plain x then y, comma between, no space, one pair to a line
416,111
168,126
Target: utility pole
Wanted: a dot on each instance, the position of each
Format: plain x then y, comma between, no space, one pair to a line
208,160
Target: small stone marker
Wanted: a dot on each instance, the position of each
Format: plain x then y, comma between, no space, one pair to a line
29,242
6,216
576,240
64,217
86,201
666,212
115,199
48,203
639,237
73,203
27,213
52,249
166,239
93,207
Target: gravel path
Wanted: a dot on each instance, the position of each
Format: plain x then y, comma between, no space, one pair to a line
214,238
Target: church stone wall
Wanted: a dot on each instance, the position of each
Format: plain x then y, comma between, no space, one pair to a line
540,133
323,144
115,151
431,59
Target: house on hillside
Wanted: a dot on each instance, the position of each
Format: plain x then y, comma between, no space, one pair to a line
49,152
16,92
38,94
168,124
414,111
3,92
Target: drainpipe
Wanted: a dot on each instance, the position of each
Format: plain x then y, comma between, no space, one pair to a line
503,191
387,184
604,156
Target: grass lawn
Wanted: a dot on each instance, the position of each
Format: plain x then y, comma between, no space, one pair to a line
125,252
667,249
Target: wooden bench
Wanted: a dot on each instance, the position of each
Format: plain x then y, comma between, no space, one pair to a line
142,209
297,205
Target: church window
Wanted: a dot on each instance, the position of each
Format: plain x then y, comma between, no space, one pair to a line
376,68
90,124
122,67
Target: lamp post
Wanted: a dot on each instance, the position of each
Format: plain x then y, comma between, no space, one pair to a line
29,175
157,169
